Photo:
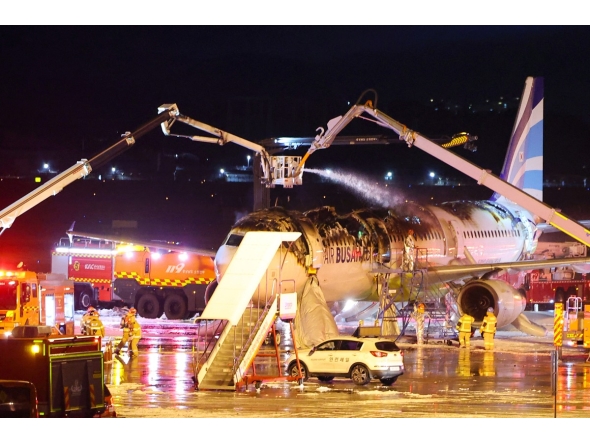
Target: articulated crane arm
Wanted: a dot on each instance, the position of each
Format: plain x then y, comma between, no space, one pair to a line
484,177
276,170
80,170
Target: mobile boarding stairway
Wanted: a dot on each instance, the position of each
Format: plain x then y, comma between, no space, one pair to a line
241,312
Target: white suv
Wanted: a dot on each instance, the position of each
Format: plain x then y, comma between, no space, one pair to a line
360,359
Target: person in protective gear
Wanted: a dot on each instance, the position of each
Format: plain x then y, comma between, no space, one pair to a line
464,328
90,324
134,332
419,314
124,324
488,329
409,245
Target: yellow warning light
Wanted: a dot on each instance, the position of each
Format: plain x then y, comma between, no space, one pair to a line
35,349
37,179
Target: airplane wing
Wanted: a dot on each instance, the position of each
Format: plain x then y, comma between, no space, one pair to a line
456,272
150,244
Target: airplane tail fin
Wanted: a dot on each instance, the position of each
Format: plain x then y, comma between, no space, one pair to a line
523,165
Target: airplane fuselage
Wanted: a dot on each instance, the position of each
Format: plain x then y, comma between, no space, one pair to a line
347,251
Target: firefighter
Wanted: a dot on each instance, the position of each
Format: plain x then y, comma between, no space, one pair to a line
464,329
91,324
488,329
408,264
419,315
134,332
124,324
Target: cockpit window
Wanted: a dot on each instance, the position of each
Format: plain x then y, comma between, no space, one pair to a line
234,240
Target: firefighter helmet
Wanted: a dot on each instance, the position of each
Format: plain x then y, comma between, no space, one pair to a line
421,307
132,311
490,310
90,309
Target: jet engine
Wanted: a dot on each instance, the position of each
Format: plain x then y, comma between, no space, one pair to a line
477,296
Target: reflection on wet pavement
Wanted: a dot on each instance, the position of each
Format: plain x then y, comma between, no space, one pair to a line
439,382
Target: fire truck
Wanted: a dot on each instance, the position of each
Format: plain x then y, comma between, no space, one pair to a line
32,299
152,278
67,371
542,287
545,286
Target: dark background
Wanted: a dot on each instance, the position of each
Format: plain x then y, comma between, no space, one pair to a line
68,92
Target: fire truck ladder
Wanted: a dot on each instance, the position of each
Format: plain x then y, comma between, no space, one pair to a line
232,329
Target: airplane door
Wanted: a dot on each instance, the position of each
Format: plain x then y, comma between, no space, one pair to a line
457,239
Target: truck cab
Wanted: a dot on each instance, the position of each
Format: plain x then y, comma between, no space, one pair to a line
19,300
31,299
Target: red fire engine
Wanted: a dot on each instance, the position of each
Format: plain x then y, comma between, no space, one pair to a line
545,286
32,299
155,281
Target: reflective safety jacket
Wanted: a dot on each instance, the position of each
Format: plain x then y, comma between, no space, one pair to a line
464,323
489,323
134,327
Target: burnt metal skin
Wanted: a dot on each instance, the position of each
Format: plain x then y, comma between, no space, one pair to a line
348,250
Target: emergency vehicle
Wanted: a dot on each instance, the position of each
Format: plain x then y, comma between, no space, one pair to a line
154,280
67,371
31,299
545,286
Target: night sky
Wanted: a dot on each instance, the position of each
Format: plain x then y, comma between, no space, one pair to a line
73,90
69,92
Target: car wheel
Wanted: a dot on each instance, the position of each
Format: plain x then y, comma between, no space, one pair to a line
326,378
360,374
388,381
148,306
293,371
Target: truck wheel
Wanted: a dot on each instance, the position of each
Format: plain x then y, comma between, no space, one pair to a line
175,307
148,306
84,300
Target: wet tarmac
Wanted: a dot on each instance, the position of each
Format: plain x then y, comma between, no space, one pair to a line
440,380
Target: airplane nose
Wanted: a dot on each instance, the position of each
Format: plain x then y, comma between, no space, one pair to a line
222,259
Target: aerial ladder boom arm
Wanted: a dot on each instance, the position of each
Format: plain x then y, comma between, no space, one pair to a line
482,176
51,188
80,170
221,138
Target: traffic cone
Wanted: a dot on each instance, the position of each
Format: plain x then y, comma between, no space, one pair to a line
108,351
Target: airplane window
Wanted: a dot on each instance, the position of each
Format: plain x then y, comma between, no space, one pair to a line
234,240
